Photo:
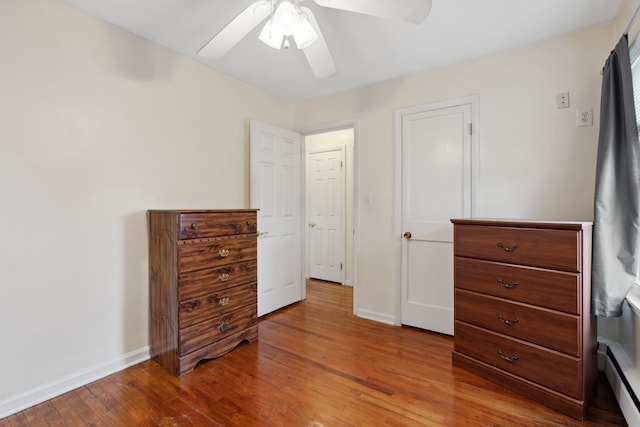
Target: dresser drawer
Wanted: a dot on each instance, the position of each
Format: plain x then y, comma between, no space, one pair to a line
552,289
216,304
545,367
202,282
216,253
552,329
215,224
547,248
209,331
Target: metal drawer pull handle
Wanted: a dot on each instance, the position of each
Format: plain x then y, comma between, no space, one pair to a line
223,253
224,326
506,249
194,226
223,277
508,358
507,285
223,301
508,322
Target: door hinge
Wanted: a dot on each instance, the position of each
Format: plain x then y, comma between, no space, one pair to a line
470,128
340,163
340,266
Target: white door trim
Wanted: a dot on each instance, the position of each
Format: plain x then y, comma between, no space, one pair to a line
328,127
474,100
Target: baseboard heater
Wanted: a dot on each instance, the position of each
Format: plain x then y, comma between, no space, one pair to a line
626,396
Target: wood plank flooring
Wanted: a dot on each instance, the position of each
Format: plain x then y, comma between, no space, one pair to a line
314,365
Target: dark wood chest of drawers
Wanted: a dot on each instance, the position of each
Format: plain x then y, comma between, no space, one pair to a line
522,308
202,284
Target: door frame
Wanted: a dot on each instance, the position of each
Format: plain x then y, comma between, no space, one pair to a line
355,165
474,100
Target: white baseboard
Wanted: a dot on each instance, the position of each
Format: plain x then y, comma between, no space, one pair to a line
378,317
62,385
614,367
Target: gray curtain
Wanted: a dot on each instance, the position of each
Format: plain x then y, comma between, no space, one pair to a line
616,229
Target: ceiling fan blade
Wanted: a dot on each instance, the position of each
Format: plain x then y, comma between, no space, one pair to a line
317,54
414,11
236,30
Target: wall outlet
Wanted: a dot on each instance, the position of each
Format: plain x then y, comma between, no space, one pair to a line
562,100
584,117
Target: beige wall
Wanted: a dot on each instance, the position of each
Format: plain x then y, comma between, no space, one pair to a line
534,162
96,127
624,18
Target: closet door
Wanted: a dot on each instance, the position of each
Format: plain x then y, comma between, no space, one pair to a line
436,186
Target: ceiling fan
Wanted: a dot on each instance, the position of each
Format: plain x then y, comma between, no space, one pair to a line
287,20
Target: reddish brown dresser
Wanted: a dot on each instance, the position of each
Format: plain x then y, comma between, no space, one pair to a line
202,284
522,308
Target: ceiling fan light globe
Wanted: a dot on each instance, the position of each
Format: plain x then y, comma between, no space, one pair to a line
270,35
304,34
286,18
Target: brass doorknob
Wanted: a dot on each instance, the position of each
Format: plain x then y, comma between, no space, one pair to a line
407,235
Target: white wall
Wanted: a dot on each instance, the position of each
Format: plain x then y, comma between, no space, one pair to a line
96,127
535,163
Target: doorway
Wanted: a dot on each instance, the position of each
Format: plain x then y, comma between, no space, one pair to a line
329,207
278,190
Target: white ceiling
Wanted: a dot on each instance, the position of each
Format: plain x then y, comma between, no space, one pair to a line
365,49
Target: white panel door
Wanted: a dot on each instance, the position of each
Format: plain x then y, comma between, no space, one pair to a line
275,187
436,186
326,228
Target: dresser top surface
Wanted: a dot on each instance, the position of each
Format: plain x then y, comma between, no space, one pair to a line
528,223
196,211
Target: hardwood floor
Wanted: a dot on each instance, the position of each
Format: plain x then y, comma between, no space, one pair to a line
315,364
